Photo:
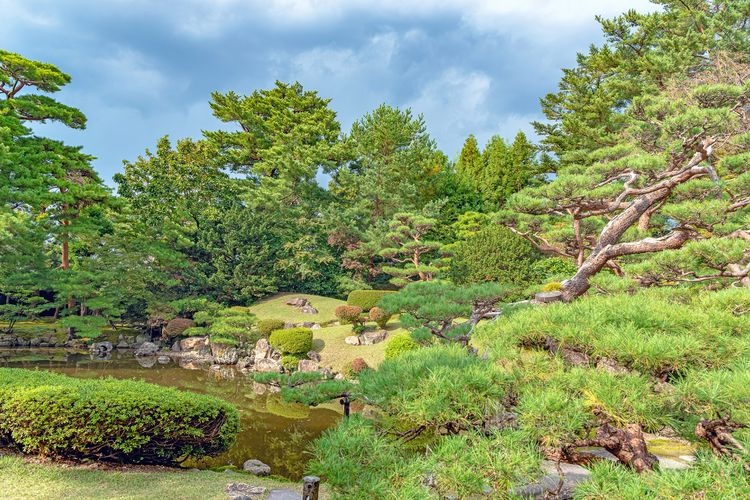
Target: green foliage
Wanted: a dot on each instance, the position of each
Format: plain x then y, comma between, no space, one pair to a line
366,299
289,362
379,316
436,307
494,254
109,419
553,268
266,326
399,344
230,326
292,340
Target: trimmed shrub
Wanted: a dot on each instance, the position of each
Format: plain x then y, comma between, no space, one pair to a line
122,420
266,326
349,314
553,286
366,299
177,326
380,316
289,362
494,254
292,340
355,367
399,344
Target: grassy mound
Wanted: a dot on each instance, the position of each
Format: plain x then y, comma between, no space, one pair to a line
119,420
275,307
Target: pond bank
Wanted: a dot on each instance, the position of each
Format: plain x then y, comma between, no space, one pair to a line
38,479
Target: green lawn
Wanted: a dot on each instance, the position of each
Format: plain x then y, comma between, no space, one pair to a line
275,308
19,479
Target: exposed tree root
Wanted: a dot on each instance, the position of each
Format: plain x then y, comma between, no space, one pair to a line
628,445
718,433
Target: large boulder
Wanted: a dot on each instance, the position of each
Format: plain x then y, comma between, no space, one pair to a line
101,347
198,345
262,350
147,349
224,354
307,365
267,365
369,338
257,467
297,302
352,340
308,309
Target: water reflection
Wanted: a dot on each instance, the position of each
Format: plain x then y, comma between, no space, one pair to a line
271,431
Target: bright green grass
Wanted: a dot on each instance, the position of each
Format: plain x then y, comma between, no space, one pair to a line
19,479
275,308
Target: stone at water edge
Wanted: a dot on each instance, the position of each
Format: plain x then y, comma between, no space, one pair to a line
267,365
195,344
262,350
147,349
352,340
163,360
256,467
102,347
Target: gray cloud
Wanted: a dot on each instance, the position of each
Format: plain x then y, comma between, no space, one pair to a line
142,69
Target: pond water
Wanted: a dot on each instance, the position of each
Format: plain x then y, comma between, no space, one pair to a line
274,432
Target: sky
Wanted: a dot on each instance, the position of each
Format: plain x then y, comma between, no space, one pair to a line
142,69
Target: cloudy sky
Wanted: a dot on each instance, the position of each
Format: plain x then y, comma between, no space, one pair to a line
144,68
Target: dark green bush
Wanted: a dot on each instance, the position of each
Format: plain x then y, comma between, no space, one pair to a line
292,340
266,326
494,254
120,420
366,299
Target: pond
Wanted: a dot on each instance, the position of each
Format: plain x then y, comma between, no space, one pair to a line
274,432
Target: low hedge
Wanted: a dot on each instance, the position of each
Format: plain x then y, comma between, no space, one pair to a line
266,326
292,340
399,344
107,419
366,299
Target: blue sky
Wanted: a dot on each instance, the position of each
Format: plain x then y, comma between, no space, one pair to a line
142,68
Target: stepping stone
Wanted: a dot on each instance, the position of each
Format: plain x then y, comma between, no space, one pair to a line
572,475
283,495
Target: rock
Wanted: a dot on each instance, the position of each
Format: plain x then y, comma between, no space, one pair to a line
307,365
672,464
195,344
35,342
193,363
283,495
224,355
123,345
339,376
369,338
262,350
147,349
612,366
241,491
163,360
267,365
314,355
256,467
352,340
140,339
297,302
306,324
547,297
222,372
244,362
102,347
176,346
315,326
146,361
572,475
308,309
22,342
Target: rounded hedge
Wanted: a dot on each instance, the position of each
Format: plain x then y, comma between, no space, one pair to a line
292,340
366,299
399,344
494,254
266,326
106,419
